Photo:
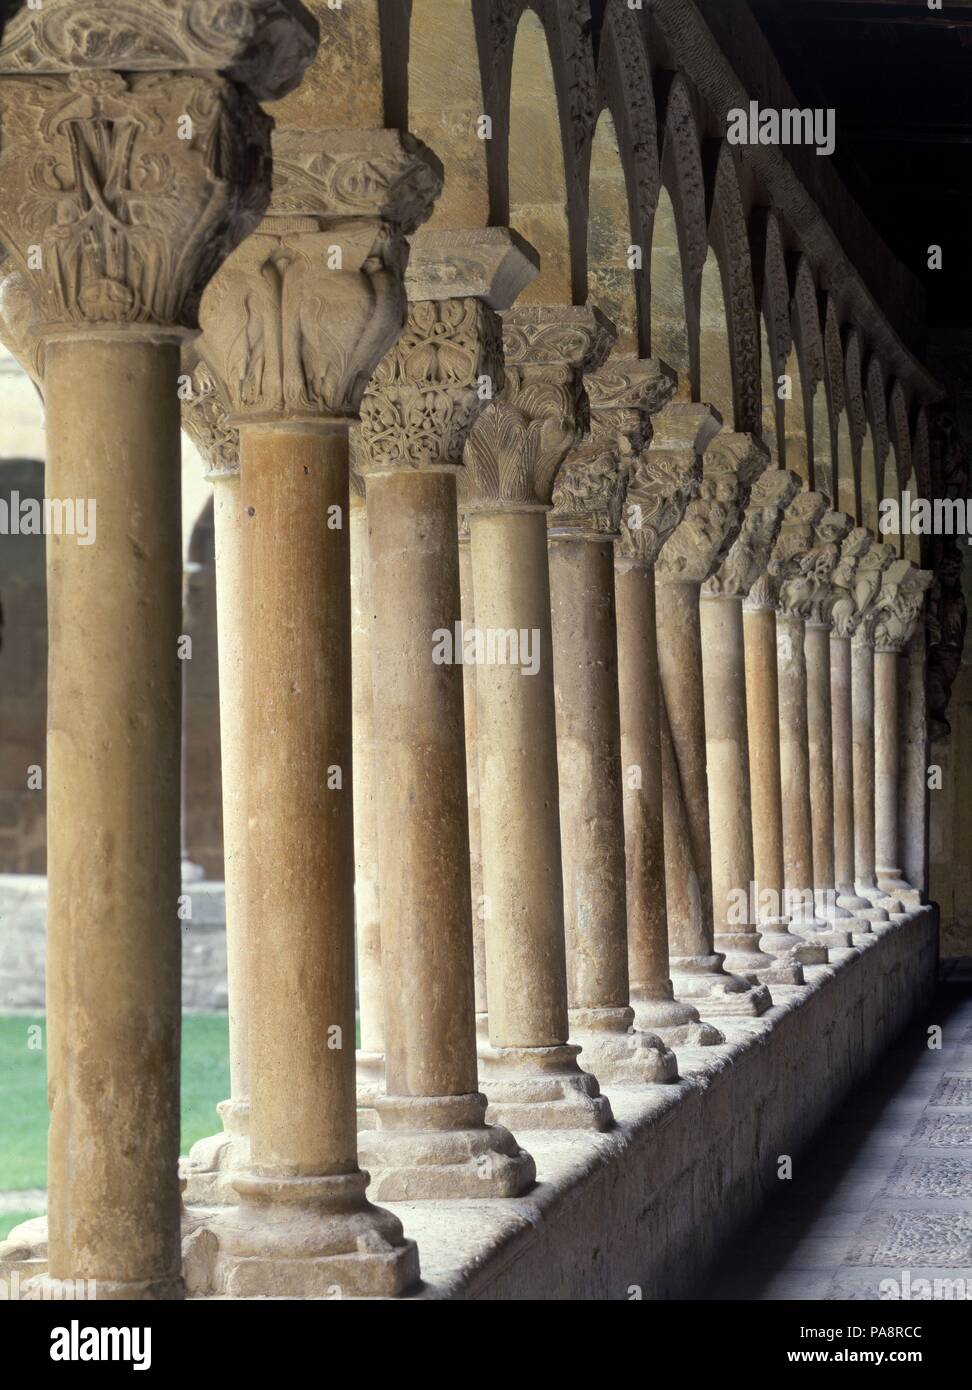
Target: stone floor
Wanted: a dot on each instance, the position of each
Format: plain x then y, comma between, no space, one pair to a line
886,1193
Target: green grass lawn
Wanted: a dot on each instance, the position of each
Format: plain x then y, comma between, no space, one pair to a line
23,1095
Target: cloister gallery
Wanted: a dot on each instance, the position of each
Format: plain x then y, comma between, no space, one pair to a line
574,694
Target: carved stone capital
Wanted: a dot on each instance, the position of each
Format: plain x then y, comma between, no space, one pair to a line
19,313
867,586
123,193
772,493
205,421
843,609
589,490
262,44
832,530
784,575
520,440
702,540
428,389
299,317
898,605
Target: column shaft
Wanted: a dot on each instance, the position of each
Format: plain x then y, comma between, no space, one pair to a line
914,776
113,969
820,736
843,765
467,605
862,701
763,721
795,770
887,766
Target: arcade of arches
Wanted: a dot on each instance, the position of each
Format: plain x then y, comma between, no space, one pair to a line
474,317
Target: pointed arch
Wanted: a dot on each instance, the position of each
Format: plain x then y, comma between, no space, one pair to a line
611,280
808,340
679,235
729,239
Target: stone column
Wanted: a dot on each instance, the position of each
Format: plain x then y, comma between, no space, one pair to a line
581,529
117,223
738,923
792,570
899,607
691,555
915,760
662,479
843,618
467,607
431,1139
213,1160
832,530
867,588
294,325
370,1060
529,1071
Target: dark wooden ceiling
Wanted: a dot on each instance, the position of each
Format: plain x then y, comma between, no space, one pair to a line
899,77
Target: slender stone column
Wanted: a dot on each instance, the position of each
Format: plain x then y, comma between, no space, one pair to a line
792,567
693,553
117,257
529,1071
582,527
431,1139
914,772
213,1160
899,606
737,918
832,530
467,606
370,1060
867,588
294,325
843,617
662,480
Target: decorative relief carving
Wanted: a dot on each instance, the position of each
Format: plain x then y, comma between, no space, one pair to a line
19,314
832,530
301,314
520,440
877,411
622,44
795,540
426,392
750,554
776,293
808,326
867,586
700,543
204,418
742,318
663,479
265,45
898,605
589,490
682,162
843,608
856,409
113,217
834,357
898,414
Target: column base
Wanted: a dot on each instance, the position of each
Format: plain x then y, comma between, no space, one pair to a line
370,1084
791,951
741,955
702,980
827,905
23,1255
678,1024
541,1088
428,1148
852,902
311,1238
617,1052
214,1162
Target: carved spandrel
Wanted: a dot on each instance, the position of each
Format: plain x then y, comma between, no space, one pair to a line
265,45
114,217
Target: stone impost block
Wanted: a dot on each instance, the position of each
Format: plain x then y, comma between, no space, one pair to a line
265,45
494,264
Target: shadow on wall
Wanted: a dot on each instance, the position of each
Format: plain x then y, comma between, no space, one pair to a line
23,691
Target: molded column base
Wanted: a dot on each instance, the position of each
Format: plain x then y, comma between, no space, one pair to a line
742,955
617,1052
541,1088
678,1024
370,1073
311,1238
215,1162
791,951
439,1147
702,980
850,900
828,906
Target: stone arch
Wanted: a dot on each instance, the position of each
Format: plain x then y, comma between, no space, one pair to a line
536,168
875,400
729,239
868,482
679,234
856,409
921,452
716,384
445,103
900,437
808,341
796,442
624,89
845,482
835,399
772,296
612,283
